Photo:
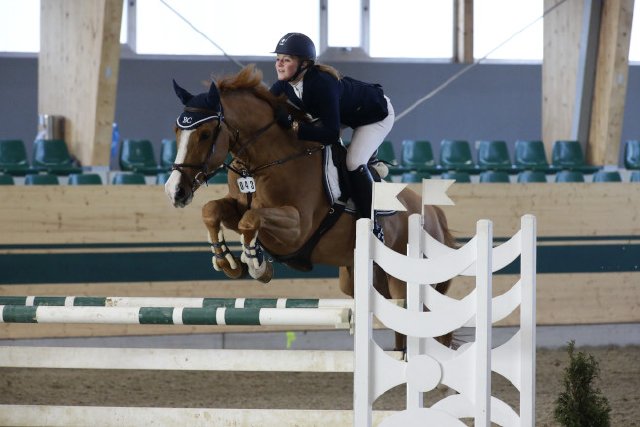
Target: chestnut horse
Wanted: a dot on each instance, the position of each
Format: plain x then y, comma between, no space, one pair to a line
289,203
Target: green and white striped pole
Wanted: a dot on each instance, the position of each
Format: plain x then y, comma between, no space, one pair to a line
332,317
79,301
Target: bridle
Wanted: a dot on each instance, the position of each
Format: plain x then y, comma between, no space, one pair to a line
204,174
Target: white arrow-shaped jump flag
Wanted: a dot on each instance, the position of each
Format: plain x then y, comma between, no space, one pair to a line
434,191
385,196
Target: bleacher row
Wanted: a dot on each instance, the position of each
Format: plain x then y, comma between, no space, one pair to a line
51,160
494,162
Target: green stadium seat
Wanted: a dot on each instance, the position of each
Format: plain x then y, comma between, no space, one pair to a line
136,155
607,176
387,153
13,157
133,178
456,155
162,178
168,152
569,176
529,176
460,177
414,176
85,179
6,179
632,154
417,155
493,155
530,155
635,176
41,179
52,156
567,154
494,176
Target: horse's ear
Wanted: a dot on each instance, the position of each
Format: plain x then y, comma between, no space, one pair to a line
182,93
213,97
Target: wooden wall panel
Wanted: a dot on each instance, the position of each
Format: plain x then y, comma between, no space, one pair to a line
611,82
78,71
562,30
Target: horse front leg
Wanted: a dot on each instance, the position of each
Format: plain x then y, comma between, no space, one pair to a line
214,213
279,226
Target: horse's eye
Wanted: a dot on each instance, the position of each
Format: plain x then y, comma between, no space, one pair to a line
204,136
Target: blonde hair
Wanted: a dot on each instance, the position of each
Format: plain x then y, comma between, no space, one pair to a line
330,70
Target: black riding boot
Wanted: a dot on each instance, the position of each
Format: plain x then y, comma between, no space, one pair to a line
362,193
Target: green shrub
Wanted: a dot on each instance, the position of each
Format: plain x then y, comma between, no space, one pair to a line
580,404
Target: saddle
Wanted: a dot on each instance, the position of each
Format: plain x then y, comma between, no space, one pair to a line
337,188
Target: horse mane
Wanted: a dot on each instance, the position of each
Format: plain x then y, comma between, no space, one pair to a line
250,79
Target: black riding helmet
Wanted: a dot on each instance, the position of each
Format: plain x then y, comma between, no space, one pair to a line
297,44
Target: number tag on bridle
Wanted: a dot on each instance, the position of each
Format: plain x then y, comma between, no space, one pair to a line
247,185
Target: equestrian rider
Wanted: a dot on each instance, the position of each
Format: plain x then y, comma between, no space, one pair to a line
336,101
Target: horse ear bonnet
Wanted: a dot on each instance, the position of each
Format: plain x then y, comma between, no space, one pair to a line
199,108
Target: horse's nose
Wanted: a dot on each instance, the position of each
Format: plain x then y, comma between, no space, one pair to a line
180,193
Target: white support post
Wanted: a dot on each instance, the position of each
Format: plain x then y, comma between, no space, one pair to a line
414,303
528,322
363,276
482,403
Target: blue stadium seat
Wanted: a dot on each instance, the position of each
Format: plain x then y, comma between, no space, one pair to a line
132,178
460,177
85,179
632,154
529,176
494,176
607,176
569,176
414,176
41,179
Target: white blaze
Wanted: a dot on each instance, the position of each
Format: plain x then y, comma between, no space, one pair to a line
171,186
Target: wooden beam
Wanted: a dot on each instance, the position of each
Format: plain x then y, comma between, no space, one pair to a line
463,34
78,71
611,82
562,31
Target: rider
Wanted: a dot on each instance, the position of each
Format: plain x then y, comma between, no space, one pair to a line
336,101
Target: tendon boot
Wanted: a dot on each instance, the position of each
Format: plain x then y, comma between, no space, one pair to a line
362,193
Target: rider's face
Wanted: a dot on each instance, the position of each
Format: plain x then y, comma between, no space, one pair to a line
286,66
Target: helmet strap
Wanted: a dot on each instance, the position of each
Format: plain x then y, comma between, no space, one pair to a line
299,70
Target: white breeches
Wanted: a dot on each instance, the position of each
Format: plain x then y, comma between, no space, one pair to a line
366,139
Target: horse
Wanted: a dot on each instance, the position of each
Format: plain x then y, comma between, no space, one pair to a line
275,200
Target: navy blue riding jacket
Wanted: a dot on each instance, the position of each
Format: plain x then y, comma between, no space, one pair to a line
334,102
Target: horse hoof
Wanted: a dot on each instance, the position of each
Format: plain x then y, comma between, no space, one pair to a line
236,273
268,273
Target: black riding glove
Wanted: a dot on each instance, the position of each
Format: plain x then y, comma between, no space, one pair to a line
283,118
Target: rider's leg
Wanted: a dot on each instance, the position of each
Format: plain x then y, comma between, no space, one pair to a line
364,142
